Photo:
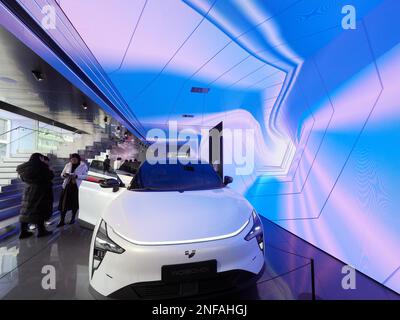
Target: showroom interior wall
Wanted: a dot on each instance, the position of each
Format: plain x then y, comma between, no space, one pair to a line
321,99
342,191
340,111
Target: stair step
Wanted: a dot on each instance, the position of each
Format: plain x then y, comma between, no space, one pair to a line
7,169
8,175
12,187
10,201
9,193
13,168
9,212
5,181
18,187
14,184
9,164
12,159
21,156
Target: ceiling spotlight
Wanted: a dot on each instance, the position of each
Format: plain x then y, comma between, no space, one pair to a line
84,106
200,90
38,75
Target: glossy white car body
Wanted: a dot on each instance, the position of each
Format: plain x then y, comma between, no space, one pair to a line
157,229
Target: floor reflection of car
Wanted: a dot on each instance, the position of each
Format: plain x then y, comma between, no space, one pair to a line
175,231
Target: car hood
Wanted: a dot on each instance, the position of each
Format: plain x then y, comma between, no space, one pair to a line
161,218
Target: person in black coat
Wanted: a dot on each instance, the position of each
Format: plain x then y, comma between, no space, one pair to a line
37,196
106,165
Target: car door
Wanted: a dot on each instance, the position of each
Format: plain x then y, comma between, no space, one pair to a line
93,198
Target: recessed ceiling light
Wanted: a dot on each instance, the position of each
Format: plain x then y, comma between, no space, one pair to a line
199,90
84,106
38,75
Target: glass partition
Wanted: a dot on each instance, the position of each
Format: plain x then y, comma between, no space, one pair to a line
21,141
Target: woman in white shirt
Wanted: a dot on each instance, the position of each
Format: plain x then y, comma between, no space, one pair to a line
74,172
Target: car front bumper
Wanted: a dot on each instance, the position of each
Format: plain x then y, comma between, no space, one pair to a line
136,273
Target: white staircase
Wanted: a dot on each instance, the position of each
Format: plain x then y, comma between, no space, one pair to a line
8,165
102,156
80,143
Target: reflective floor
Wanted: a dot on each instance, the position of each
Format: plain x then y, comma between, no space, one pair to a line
287,275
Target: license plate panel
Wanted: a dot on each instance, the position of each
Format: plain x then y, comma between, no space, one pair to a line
189,271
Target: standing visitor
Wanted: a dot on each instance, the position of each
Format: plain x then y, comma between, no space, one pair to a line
73,173
35,201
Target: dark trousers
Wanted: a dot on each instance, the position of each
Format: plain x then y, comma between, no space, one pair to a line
63,214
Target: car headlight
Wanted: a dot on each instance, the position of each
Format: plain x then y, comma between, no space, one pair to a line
102,244
256,231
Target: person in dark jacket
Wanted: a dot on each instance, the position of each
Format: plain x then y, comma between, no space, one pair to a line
35,201
106,165
124,166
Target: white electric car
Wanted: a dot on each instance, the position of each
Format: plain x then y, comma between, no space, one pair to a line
174,231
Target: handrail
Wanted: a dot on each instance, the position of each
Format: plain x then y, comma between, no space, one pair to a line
2,134
24,136
20,138
35,130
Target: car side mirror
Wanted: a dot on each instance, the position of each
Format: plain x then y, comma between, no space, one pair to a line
227,180
110,183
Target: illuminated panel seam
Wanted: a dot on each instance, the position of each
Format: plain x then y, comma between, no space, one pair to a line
165,243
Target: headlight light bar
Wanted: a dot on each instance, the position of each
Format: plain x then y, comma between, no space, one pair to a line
256,231
103,244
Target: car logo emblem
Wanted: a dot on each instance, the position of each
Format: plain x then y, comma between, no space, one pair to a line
190,254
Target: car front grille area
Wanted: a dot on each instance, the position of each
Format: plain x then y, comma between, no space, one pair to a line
223,282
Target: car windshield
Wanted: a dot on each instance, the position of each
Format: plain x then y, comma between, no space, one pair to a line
176,177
